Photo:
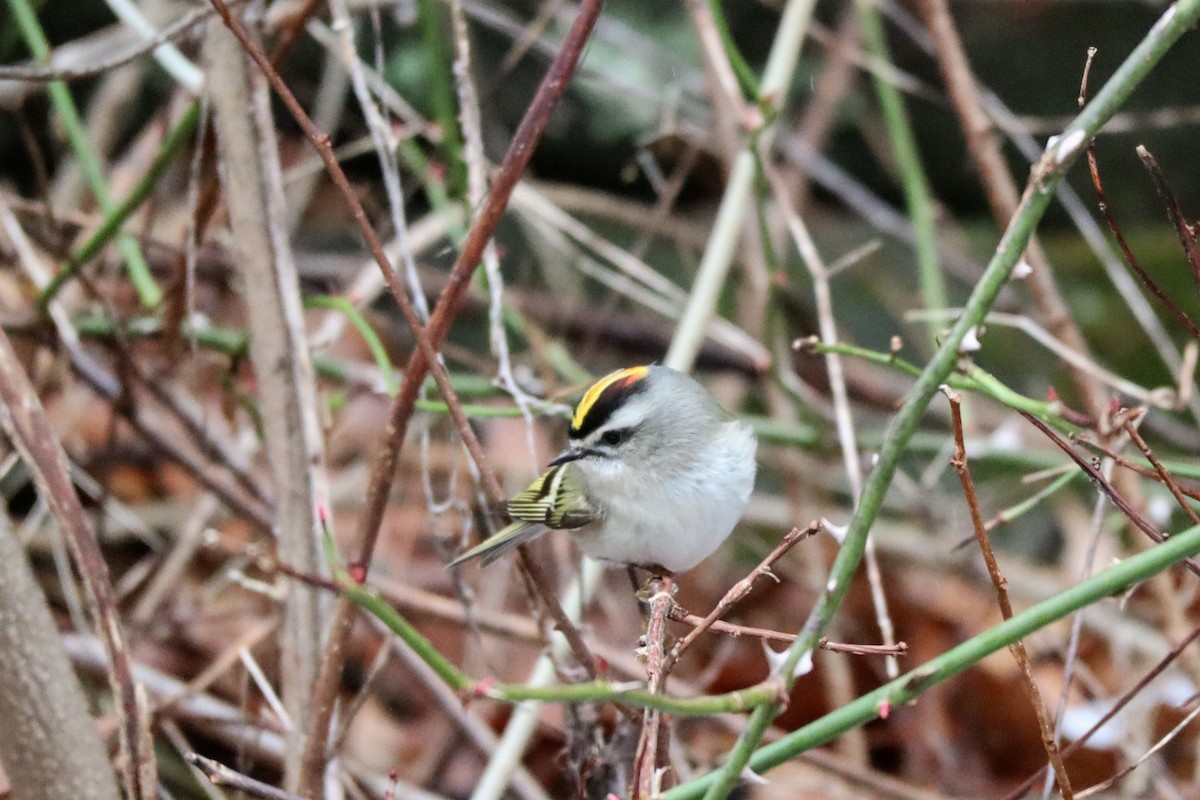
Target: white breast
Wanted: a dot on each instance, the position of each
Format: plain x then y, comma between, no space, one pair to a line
675,522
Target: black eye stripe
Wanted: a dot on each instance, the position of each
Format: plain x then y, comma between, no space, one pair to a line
601,412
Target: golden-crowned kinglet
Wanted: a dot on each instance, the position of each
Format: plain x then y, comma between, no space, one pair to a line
655,474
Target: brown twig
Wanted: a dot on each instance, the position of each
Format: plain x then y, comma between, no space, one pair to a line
1117,499
655,736
321,143
1145,472
1087,73
1130,259
221,775
1187,234
1163,475
509,172
25,423
419,365
895,650
740,589
1124,700
107,387
1045,724
680,614
424,359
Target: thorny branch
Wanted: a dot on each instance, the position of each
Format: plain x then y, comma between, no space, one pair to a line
1045,724
1099,480
655,737
1136,437
1186,232
740,589
1130,259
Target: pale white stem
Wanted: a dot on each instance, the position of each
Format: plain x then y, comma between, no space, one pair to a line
1069,660
718,255
843,417
1160,398
385,150
507,757
476,162
264,686
633,277
177,65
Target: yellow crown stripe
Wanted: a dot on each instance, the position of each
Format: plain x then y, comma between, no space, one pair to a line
621,376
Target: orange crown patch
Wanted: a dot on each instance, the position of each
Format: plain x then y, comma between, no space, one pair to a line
619,379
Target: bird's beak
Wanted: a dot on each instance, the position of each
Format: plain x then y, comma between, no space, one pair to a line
570,454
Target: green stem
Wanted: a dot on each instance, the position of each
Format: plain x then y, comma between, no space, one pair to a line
1046,175
135,264
605,691
908,160
1019,509
112,222
10,34
975,379
589,692
355,317
235,344
472,411
745,75
441,92
1112,581
228,341
372,603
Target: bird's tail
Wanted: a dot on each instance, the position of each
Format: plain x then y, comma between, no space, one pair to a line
492,548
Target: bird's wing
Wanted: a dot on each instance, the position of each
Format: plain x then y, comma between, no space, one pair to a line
506,539
558,499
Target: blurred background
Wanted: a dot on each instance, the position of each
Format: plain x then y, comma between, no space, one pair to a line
596,257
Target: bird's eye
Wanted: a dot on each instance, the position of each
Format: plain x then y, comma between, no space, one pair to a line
613,437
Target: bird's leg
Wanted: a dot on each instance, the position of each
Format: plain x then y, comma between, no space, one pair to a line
631,571
644,592
641,592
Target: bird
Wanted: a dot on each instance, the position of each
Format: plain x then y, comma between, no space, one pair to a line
655,474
